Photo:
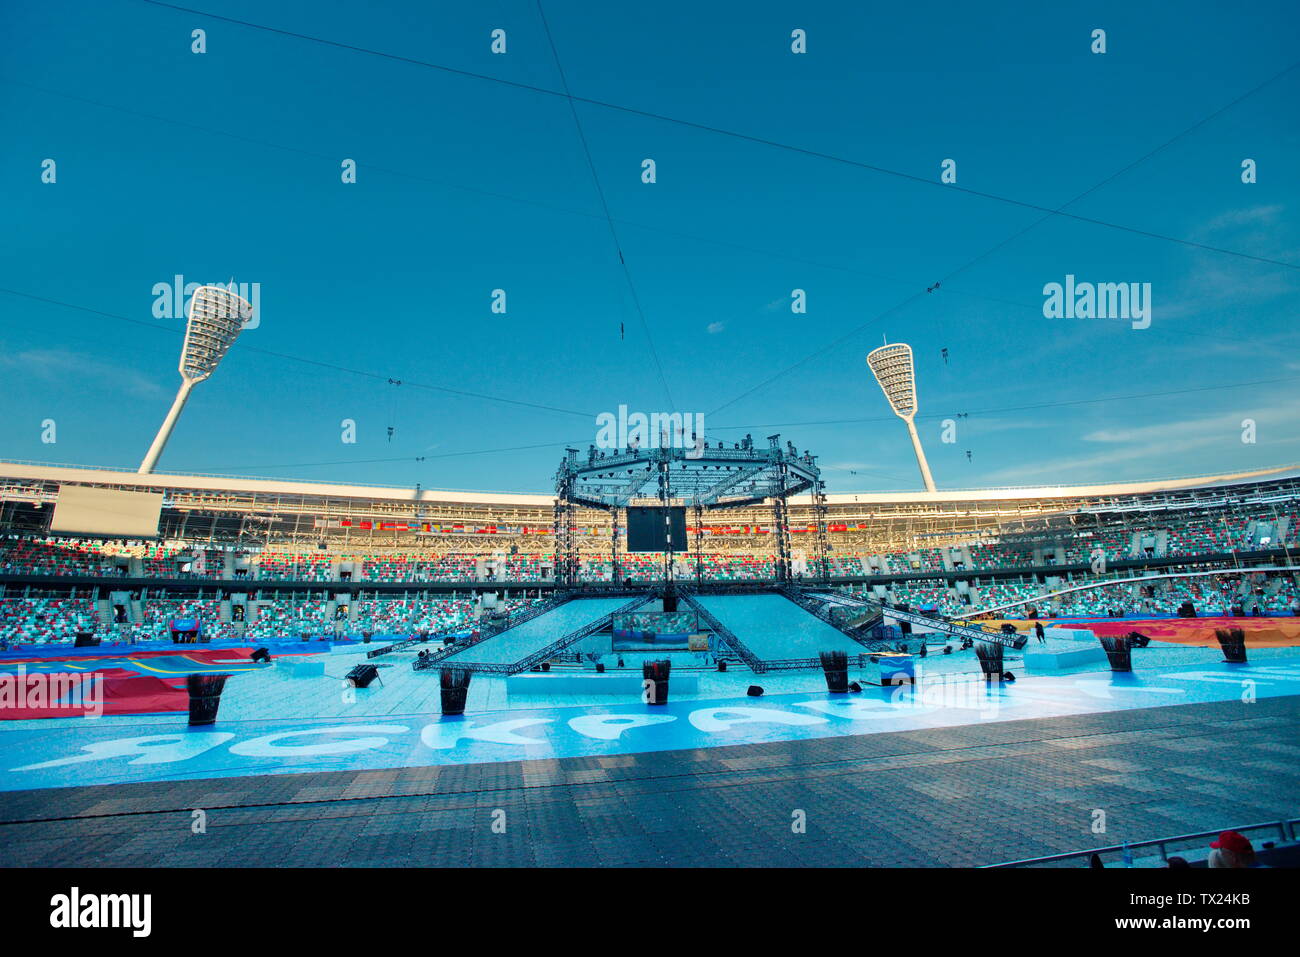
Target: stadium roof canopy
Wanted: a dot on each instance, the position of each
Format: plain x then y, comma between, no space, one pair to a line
238,509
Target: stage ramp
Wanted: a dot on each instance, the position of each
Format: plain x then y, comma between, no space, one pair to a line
944,627
874,610
779,634
537,639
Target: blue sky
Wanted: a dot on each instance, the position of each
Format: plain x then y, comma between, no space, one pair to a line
228,163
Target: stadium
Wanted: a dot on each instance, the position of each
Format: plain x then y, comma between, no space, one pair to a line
329,579
781,638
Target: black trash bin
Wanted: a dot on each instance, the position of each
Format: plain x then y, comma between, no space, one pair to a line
655,684
1119,649
455,688
990,656
1233,643
835,665
205,697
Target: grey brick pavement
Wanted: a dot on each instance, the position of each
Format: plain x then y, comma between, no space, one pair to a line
943,797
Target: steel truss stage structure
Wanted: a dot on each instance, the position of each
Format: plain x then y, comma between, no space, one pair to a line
755,637
701,478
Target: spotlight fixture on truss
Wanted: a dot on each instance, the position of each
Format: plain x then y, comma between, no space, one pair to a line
893,368
216,316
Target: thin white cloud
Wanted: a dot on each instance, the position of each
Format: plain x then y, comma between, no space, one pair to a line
1148,450
1235,219
62,366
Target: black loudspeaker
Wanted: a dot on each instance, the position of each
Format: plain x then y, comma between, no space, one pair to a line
670,603
755,691
600,667
261,654
86,639
362,675
1187,610
722,666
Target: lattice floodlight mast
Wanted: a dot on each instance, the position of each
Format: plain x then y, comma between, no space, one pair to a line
893,368
216,316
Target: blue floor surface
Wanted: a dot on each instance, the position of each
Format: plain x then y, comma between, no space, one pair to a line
112,750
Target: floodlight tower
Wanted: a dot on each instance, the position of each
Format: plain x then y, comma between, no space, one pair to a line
216,316
893,368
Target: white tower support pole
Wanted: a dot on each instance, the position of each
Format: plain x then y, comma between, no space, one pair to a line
920,456
165,433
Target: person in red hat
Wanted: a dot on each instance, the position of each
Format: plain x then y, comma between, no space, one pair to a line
1232,849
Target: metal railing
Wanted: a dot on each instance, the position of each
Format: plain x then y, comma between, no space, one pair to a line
1286,829
810,664
947,627
532,659
397,645
517,618
1109,582
495,626
543,654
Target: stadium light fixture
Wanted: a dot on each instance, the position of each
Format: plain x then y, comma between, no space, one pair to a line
893,368
216,316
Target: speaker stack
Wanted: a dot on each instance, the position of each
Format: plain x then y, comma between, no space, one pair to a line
362,675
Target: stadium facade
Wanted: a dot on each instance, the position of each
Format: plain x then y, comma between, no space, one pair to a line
307,549
259,513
